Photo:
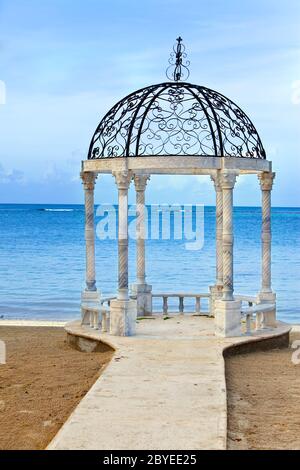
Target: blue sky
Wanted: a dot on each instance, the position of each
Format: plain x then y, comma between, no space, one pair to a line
65,63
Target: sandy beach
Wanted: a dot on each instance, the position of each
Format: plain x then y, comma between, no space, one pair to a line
44,379
41,383
263,390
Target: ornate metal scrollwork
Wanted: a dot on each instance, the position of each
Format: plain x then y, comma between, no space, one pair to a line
176,118
178,69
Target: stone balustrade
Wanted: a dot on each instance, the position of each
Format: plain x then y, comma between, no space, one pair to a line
255,315
181,296
98,315
264,314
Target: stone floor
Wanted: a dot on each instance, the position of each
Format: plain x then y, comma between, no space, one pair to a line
164,389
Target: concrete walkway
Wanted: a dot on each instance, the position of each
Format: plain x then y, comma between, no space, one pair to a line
164,389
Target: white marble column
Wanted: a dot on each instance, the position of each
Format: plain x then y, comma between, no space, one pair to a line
141,289
219,228
227,310
123,179
90,296
216,290
88,180
228,180
266,182
122,310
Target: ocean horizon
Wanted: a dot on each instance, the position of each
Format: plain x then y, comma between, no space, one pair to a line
42,260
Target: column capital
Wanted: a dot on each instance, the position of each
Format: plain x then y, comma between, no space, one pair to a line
216,178
266,180
140,181
228,179
122,178
88,179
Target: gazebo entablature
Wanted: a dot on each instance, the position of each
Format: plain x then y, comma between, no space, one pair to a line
176,128
177,165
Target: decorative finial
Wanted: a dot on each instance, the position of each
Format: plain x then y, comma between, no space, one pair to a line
178,68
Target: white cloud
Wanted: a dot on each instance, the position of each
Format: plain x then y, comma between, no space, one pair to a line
11,176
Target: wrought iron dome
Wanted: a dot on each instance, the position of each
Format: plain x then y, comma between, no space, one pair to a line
176,118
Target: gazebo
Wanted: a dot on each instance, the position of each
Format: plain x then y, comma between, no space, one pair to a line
176,128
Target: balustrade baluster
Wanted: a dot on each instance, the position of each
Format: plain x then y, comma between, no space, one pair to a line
96,320
91,318
165,304
181,305
104,323
248,323
263,320
198,304
258,320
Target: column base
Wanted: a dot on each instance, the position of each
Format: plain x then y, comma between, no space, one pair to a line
215,294
228,318
122,317
143,293
269,320
91,299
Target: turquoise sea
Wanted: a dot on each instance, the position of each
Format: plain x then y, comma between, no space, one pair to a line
42,260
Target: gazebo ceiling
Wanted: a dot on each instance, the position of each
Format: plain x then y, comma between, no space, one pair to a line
176,119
